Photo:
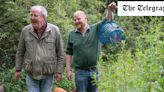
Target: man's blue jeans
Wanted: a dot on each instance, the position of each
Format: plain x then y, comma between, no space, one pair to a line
85,81
43,85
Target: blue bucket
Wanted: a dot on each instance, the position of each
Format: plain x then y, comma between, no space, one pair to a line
110,33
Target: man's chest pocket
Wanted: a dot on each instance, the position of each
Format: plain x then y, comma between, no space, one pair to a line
29,43
49,43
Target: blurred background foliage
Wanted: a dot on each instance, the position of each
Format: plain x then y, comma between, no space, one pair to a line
136,66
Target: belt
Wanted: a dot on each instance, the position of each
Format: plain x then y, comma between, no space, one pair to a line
86,68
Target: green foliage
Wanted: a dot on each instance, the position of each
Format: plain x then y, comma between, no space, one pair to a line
136,66
10,83
65,84
142,72
11,21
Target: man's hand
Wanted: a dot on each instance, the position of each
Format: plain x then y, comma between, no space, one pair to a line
17,75
69,75
112,6
58,76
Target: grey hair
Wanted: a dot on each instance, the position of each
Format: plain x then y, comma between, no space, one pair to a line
41,8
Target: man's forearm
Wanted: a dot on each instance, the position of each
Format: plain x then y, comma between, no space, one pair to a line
68,62
109,15
111,8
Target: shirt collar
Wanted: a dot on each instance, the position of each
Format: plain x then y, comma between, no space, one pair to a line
77,31
46,28
43,28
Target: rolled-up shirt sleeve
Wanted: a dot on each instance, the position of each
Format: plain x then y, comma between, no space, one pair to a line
69,49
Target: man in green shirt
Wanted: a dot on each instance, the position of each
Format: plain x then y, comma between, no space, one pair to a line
83,50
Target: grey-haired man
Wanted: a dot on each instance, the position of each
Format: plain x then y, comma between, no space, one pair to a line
40,51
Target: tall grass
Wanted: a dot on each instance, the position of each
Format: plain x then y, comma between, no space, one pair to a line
140,73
